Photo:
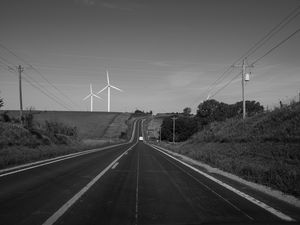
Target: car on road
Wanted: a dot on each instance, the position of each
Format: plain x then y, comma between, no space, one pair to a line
141,138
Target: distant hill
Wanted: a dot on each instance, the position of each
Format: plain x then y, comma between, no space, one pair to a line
54,133
90,125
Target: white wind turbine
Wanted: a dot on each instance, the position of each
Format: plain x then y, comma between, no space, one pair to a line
108,86
91,95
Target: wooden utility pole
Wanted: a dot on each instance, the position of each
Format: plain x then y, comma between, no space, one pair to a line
160,134
244,66
174,126
243,88
20,70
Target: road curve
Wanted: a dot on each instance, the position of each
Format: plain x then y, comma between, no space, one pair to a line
129,184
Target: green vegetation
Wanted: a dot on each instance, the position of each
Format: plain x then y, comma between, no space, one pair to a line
49,134
1,102
90,125
264,148
208,112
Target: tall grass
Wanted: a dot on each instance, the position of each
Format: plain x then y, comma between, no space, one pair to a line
264,148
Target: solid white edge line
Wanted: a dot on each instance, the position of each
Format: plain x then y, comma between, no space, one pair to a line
117,163
242,194
21,168
52,219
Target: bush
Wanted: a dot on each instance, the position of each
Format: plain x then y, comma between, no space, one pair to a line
185,127
54,128
28,120
5,117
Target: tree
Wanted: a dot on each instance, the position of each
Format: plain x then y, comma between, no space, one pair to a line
252,108
212,110
207,111
1,102
187,111
185,127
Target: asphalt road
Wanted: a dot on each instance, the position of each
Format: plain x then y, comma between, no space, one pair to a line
128,184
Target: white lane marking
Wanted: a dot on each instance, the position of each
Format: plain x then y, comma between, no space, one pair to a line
116,164
45,162
211,190
51,220
242,194
137,189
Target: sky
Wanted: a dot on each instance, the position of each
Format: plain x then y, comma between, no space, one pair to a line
164,54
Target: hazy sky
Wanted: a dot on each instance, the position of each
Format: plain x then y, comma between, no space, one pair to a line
164,54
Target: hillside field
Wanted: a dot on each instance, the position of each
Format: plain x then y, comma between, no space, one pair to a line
90,125
56,133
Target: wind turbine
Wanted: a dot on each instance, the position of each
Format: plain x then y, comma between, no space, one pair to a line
108,86
91,95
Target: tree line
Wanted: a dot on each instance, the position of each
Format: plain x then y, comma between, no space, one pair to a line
207,112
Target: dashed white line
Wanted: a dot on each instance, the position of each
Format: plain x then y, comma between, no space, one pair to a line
51,220
29,166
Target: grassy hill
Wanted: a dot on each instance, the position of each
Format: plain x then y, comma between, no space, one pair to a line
90,125
54,133
264,148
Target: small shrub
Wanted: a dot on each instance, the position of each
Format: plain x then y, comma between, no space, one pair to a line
5,117
28,120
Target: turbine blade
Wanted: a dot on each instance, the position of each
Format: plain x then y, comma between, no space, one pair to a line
116,88
91,89
102,89
87,97
97,96
107,76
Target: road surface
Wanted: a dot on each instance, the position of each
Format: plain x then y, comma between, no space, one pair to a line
132,183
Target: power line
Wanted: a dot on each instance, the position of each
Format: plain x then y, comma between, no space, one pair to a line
52,85
229,82
28,80
49,94
39,73
45,93
274,31
276,46
261,57
286,20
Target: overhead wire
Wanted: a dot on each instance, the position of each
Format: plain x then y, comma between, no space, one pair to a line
27,79
260,58
229,82
36,85
276,46
39,73
284,22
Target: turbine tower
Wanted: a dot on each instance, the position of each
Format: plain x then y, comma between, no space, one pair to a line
91,95
108,86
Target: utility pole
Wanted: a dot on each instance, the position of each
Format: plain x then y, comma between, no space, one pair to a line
174,119
20,70
160,134
244,78
243,88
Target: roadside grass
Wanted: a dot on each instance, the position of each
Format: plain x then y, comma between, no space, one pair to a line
17,155
264,149
118,128
49,136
